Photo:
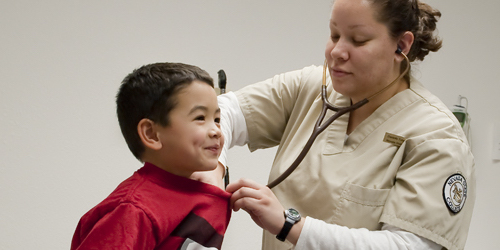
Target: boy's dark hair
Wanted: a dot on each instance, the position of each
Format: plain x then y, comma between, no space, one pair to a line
150,92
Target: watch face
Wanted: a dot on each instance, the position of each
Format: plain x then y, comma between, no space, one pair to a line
293,214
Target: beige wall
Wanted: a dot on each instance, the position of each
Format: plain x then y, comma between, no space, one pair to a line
61,63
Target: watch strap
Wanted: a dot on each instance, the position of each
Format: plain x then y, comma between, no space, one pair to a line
285,230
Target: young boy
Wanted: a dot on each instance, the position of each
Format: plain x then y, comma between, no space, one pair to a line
169,116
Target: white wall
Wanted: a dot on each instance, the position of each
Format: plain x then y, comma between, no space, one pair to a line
61,63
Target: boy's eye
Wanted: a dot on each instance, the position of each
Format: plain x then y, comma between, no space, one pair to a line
200,118
217,120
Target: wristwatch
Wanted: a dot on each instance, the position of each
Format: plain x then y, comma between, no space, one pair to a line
292,216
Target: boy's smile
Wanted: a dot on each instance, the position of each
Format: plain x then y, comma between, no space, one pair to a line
193,139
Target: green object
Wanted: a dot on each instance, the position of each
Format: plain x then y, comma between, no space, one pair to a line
461,117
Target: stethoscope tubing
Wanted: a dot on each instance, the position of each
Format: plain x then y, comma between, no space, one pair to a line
319,127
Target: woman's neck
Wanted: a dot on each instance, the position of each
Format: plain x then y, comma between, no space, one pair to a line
357,116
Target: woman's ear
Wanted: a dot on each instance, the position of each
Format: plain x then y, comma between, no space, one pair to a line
405,42
147,133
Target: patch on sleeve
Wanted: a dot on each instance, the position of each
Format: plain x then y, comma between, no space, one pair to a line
455,192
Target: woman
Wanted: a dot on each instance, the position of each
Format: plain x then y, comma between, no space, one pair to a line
396,173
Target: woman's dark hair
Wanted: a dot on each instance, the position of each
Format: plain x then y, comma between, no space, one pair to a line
414,16
150,92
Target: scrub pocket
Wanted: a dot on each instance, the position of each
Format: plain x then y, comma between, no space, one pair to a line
360,207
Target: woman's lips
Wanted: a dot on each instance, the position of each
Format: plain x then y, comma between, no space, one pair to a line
336,72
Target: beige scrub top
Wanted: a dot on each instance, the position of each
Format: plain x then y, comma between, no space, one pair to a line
366,180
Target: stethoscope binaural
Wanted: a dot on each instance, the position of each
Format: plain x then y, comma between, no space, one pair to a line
318,127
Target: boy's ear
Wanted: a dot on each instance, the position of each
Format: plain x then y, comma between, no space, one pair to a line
148,135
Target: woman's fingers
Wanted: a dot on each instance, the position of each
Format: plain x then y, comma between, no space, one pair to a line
246,198
259,202
246,193
213,177
233,186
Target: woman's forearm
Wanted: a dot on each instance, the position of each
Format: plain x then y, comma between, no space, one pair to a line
233,124
317,234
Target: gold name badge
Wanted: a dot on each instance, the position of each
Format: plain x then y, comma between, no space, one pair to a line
393,139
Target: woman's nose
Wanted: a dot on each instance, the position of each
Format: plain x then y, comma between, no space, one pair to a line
339,51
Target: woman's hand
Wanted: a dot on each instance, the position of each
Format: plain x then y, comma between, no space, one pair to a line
260,202
214,177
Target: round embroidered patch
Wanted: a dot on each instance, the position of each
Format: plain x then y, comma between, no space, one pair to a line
455,192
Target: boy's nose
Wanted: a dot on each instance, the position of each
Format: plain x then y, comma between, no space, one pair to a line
215,131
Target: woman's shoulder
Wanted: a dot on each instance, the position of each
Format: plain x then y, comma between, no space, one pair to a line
430,117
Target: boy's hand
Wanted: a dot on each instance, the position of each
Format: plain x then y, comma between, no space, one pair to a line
214,177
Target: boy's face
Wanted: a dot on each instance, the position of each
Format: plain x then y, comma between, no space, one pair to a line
193,140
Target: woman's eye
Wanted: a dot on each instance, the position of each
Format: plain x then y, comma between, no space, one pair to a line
334,38
359,42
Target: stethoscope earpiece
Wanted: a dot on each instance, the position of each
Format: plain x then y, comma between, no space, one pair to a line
399,51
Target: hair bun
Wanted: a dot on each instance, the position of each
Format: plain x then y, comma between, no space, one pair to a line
425,39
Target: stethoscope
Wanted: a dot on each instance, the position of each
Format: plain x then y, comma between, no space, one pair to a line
318,127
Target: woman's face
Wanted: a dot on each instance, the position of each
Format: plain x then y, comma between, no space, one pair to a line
360,52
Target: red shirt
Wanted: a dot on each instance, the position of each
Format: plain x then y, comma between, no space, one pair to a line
154,209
